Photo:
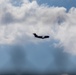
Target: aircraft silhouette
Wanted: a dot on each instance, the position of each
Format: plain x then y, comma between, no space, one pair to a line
41,37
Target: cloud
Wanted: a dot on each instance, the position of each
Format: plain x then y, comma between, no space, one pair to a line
17,23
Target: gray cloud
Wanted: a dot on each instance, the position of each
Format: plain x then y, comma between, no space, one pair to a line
7,19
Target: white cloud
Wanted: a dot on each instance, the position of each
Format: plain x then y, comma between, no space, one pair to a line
17,23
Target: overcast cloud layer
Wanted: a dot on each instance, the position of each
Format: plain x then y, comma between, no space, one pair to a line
17,23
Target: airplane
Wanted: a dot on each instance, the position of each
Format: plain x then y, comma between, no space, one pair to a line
41,37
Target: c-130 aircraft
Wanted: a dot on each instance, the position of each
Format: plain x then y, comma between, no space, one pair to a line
41,37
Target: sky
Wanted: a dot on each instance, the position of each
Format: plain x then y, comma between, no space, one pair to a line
20,50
